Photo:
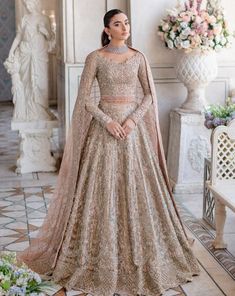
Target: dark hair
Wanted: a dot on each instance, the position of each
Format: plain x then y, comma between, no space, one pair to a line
107,18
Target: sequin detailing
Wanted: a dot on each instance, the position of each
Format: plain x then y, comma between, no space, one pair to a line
123,234
116,99
113,227
115,80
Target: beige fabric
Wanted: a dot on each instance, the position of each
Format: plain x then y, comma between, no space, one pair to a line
112,226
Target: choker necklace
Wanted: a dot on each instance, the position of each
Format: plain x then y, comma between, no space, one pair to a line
117,49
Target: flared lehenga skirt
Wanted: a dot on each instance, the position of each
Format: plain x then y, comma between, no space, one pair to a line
123,234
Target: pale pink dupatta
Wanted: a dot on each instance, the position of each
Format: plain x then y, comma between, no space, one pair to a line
41,255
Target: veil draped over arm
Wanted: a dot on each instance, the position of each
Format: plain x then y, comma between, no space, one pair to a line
152,124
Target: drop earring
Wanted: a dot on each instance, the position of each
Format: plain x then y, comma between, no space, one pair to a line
109,37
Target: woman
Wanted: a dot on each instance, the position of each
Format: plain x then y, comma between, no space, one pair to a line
28,65
112,226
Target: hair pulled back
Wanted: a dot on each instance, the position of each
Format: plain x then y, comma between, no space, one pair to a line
107,18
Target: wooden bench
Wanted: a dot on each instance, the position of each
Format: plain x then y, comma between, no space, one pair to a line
222,182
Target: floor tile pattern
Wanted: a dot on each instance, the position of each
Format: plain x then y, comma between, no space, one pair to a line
24,200
205,235
22,211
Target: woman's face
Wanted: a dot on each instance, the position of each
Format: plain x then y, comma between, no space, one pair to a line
119,27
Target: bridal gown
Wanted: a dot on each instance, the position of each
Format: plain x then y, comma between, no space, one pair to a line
123,235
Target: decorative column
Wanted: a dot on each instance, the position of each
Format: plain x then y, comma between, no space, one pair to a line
189,145
31,115
35,146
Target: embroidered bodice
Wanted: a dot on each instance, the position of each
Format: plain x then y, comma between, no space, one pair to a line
115,79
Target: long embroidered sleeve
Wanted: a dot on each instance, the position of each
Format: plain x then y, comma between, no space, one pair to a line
147,99
112,219
87,79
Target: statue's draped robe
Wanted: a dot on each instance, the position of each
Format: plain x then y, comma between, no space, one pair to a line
29,69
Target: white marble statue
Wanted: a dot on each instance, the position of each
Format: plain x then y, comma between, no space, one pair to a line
28,65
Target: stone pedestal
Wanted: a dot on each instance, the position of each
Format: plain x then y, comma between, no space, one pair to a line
189,145
35,146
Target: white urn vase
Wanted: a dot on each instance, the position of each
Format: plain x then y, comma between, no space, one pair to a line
196,70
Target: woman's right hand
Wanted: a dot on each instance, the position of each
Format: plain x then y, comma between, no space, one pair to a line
116,130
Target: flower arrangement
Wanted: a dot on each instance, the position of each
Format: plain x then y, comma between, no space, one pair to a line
216,115
196,24
18,280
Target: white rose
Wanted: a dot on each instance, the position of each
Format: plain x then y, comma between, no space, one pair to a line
170,44
185,44
218,47
183,37
211,43
165,27
172,35
217,39
186,32
223,40
184,25
177,41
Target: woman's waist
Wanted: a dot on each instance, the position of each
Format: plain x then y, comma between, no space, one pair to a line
118,107
117,99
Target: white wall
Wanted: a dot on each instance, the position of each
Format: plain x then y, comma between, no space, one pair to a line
145,17
83,25
83,28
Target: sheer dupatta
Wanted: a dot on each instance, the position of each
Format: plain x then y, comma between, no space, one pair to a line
42,253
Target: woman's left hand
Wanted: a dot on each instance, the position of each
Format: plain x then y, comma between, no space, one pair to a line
128,126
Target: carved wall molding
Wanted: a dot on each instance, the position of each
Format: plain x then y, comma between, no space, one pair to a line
197,152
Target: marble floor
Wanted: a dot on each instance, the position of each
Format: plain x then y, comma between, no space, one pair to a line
24,201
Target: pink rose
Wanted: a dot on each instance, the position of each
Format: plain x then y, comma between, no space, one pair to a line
196,40
182,14
212,19
194,10
199,30
165,27
198,19
217,30
186,18
205,26
210,33
204,14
